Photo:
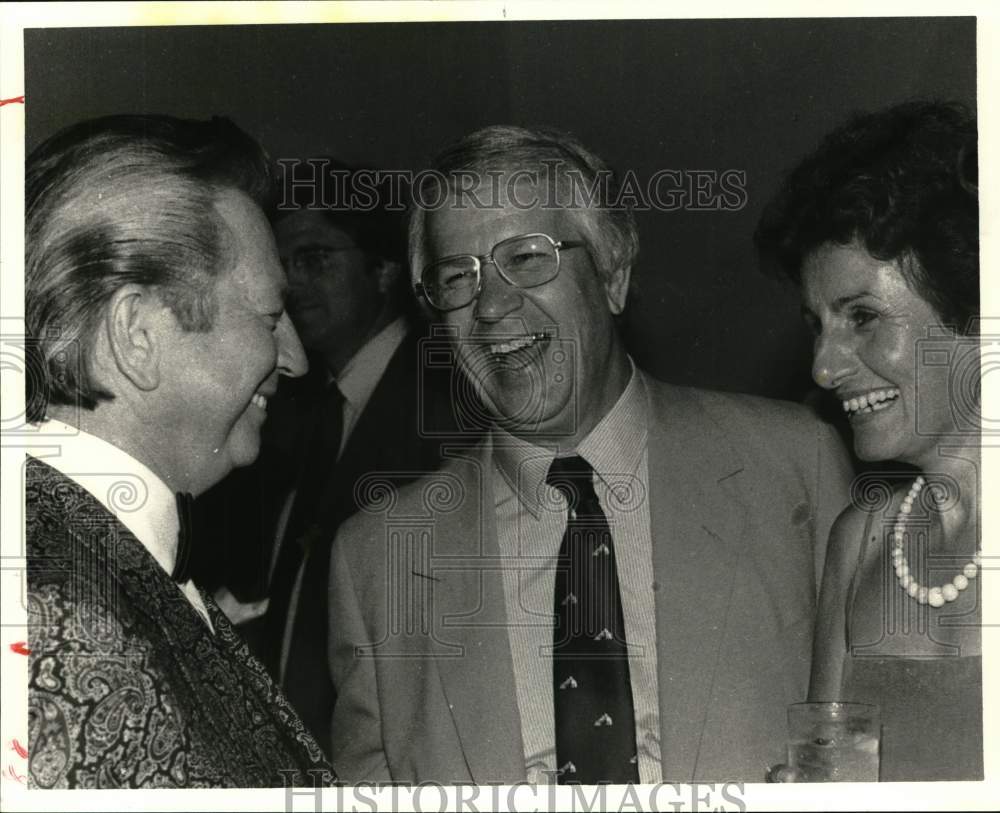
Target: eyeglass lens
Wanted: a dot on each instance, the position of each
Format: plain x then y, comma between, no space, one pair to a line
525,261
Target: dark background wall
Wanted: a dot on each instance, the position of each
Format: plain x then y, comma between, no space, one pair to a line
752,95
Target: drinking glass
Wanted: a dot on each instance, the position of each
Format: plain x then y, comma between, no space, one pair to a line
833,742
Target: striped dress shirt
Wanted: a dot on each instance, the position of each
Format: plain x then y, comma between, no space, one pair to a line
531,519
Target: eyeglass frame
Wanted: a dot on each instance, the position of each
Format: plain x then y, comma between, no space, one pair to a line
483,259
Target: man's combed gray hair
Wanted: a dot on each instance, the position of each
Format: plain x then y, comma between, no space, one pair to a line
585,186
124,200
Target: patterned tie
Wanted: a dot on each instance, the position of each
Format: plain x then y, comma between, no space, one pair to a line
302,531
595,719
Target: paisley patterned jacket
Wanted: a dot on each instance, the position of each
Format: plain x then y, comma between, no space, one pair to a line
128,687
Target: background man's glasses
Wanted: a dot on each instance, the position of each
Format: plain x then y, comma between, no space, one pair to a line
525,261
317,260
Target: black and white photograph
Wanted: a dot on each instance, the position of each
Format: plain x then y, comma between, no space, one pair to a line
424,406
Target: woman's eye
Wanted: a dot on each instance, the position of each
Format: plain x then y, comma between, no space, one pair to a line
862,316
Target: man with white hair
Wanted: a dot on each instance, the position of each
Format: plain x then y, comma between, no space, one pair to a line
155,313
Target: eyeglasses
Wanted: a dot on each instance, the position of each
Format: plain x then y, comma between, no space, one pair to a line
316,260
525,261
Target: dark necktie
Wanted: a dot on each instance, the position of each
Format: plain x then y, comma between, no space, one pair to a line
302,531
185,512
594,715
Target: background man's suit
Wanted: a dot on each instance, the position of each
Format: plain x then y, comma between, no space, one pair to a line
742,495
390,437
128,686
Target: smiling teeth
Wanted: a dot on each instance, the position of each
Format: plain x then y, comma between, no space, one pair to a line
514,344
871,402
258,400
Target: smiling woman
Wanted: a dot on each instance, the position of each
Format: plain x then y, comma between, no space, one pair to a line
880,229
869,323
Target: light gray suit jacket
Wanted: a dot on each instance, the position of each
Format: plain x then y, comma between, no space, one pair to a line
742,491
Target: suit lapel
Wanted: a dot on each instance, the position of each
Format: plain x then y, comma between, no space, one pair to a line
381,440
697,517
471,615
387,409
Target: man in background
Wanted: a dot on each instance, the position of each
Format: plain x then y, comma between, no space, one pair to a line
370,407
154,302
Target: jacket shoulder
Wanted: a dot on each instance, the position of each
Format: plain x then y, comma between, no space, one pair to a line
745,409
744,419
388,496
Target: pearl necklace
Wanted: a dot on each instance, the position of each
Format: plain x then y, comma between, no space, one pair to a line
935,596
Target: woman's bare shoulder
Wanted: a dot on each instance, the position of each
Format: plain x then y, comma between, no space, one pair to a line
830,644
847,538
847,531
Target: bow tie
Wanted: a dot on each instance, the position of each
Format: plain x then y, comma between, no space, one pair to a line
182,564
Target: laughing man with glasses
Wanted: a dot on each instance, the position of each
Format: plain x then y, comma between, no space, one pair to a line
618,584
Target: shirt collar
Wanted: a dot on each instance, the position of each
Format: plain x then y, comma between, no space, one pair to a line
358,379
613,448
139,499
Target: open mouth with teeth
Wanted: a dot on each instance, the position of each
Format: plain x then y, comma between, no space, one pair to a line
513,345
259,400
871,402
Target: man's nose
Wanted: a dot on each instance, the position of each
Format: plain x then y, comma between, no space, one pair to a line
833,359
497,297
291,357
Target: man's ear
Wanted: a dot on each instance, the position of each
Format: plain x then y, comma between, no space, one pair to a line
133,324
616,288
387,273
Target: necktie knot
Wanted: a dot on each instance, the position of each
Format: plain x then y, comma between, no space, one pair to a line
573,477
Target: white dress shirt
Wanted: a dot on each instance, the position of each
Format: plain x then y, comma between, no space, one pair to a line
139,499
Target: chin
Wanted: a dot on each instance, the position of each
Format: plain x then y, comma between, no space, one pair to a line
871,450
245,452
880,448
540,417
247,458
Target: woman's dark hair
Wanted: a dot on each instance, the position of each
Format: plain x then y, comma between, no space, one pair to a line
902,183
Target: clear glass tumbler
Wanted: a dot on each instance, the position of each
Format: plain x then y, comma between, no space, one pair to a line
833,742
